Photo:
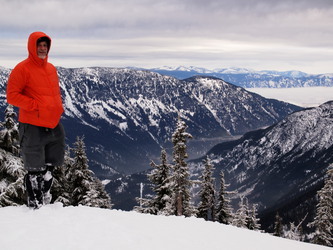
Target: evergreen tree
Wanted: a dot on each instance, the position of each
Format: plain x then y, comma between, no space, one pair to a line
278,226
61,186
104,199
97,196
181,176
9,135
293,233
79,174
253,221
163,176
323,221
12,172
241,216
160,179
223,208
12,191
206,207
86,190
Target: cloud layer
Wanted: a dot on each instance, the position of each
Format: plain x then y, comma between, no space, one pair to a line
280,35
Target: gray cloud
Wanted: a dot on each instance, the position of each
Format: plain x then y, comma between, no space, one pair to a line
148,31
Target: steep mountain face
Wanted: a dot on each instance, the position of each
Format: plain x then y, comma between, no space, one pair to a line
281,167
269,165
253,79
236,110
127,115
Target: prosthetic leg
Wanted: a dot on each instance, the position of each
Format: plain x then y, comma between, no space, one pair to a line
33,184
38,186
47,184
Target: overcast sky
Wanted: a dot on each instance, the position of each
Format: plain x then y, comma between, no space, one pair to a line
256,34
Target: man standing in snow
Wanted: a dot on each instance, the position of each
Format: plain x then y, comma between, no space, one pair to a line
33,87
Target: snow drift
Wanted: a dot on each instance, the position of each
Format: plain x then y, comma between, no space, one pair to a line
57,227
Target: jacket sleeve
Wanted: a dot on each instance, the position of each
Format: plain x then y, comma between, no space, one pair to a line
15,91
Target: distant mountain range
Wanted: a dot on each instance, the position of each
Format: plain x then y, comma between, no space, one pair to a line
127,115
247,78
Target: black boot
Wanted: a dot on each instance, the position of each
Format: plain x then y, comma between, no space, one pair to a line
33,184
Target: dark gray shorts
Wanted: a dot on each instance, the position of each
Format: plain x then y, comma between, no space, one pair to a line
41,146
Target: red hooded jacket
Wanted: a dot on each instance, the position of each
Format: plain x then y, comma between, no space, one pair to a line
33,86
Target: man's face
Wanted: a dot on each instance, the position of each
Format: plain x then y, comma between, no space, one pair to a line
42,50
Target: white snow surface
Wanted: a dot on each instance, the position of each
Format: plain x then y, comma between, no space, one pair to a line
79,228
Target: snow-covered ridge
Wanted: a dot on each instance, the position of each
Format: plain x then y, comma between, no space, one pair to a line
235,70
139,105
54,227
132,113
249,78
232,70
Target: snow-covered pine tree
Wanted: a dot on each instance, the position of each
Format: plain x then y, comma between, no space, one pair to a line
104,199
12,191
9,135
97,196
160,179
240,218
292,232
253,220
86,189
163,190
79,174
181,176
223,208
278,226
323,221
206,207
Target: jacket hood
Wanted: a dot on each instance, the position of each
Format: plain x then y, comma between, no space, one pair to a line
32,47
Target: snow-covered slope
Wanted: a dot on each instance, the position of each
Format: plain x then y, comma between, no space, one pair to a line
54,227
282,161
236,110
282,167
